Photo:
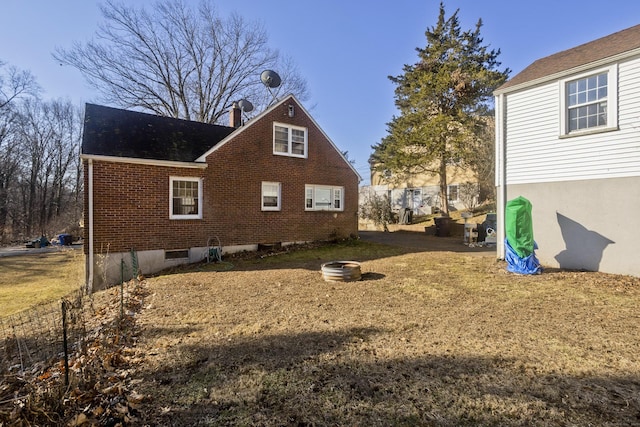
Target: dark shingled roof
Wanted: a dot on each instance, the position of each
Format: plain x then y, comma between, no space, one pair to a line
611,45
121,133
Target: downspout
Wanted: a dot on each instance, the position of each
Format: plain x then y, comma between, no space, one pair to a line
90,207
501,173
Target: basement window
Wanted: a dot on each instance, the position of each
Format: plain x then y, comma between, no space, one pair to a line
176,254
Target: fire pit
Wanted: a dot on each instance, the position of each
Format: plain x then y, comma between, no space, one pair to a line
341,271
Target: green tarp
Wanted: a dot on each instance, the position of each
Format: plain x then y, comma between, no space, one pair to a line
519,226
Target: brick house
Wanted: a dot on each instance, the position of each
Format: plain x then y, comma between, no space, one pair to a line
161,191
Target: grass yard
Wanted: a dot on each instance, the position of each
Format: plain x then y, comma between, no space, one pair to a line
29,280
426,338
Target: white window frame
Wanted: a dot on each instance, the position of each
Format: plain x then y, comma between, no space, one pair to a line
336,194
611,100
172,179
267,187
290,129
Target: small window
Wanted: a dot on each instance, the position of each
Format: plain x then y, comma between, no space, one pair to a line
589,102
176,254
453,193
289,140
324,198
270,196
337,199
185,201
309,198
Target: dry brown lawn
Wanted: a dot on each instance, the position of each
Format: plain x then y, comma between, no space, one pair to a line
426,338
29,280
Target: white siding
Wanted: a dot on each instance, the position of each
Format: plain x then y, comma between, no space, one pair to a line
536,153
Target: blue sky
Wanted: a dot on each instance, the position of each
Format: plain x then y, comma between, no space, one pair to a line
345,49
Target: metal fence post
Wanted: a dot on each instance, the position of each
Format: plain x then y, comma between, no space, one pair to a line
64,343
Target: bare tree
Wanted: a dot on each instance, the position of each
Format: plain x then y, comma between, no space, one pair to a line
48,137
15,85
9,162
179,61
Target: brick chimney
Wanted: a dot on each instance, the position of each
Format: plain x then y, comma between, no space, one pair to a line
235,117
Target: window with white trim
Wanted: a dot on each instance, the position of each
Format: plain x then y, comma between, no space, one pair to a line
271,196
324,198
589,102
185,198
289,140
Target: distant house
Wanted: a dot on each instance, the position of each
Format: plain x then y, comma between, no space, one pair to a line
568,139
162,191
421,192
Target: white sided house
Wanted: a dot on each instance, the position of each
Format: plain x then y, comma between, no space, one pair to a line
568,139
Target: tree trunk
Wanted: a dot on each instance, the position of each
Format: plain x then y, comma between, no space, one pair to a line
444,197
3,209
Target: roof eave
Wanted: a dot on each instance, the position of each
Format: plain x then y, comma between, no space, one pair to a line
150,162
568,72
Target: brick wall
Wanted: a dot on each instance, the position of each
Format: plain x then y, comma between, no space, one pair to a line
131,201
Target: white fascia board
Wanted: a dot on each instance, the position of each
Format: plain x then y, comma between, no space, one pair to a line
571,71
150,162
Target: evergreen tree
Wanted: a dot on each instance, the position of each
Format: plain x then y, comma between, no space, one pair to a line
442,100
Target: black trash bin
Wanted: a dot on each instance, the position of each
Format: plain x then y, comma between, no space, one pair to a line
442,226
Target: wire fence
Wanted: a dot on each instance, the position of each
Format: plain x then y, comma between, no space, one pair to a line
41,333
53,356
51,331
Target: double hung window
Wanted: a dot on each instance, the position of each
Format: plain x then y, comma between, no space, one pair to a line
589,102
289,140
185,198
271,196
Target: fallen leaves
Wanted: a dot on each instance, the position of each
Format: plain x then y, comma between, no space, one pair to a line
101,389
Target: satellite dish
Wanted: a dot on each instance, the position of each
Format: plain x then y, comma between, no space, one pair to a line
270,79
245,105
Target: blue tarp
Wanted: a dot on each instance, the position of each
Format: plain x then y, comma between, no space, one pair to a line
516,264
